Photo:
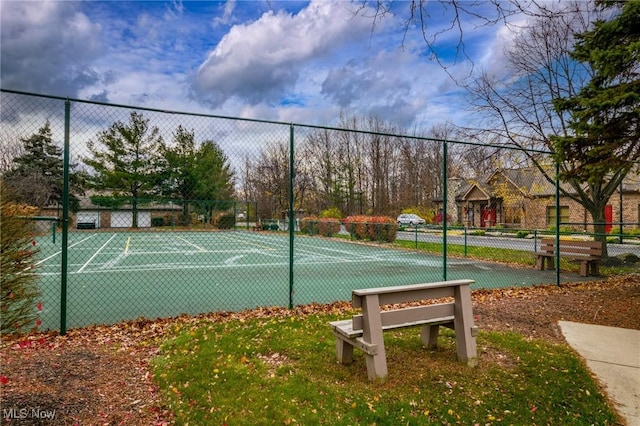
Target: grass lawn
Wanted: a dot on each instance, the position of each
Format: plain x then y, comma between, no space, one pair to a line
282,370
492,254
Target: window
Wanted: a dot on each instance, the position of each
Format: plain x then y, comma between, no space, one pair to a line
512,214
551,215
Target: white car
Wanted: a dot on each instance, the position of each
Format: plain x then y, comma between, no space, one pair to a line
410,219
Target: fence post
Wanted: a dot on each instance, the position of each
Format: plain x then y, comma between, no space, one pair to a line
557,219
291,214
621,216
444,210
465,241
65,219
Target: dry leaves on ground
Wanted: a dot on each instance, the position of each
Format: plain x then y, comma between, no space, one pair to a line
100,375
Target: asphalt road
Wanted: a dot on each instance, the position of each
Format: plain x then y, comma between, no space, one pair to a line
526,244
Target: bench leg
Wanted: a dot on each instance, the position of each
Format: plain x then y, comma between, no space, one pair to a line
589,267
463,324
549,260
429,335
372,334
376,366
344,351
584,268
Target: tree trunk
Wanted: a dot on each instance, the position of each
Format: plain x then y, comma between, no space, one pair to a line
599,228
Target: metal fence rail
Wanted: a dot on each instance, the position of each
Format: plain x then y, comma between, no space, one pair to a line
161,213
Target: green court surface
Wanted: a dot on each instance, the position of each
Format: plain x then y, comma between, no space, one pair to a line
114,276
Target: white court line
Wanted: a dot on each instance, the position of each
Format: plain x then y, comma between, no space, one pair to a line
232,260
95,254
191,244
315,251
227,265
189,252
72,245
114,261
251,243
175,267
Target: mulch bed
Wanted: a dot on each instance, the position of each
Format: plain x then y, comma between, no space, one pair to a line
100,375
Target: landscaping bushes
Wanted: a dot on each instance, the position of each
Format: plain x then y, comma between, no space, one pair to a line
326,227
18,290
360,227
374,228
225,220
309,225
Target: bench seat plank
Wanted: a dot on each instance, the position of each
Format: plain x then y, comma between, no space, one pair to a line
345,327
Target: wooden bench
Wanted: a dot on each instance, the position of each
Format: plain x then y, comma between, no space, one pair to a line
365,331
589,253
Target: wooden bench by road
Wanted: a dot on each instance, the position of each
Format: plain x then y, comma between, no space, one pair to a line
365,331
589,253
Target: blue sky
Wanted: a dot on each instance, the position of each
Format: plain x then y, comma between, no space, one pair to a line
303,62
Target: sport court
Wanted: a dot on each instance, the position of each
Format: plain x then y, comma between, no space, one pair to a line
114,276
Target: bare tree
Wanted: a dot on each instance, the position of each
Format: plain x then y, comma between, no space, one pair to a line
520,108
11,147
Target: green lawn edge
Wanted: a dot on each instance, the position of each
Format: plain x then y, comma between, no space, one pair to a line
283,370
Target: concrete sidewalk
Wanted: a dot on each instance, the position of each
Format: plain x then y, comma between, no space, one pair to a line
613,355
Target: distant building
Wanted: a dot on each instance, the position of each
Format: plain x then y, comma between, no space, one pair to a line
524,198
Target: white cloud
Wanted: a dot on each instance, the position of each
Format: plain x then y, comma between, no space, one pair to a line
48,47
227,15
262,59
295,63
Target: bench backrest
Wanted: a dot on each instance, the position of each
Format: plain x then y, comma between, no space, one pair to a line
407,316
568,247
410,293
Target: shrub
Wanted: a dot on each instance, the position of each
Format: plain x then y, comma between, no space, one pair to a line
382,228
225,220
522,234
328,226
309,225
374,228
323,226
157,221
357,226
19,291
332,213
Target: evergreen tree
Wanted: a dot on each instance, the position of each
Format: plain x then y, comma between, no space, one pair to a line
178,162
214,178
125,161
36,176
605,114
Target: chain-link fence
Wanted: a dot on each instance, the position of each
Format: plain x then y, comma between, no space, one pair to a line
161,213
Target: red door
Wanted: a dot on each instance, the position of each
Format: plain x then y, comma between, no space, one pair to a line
488,218
608,218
